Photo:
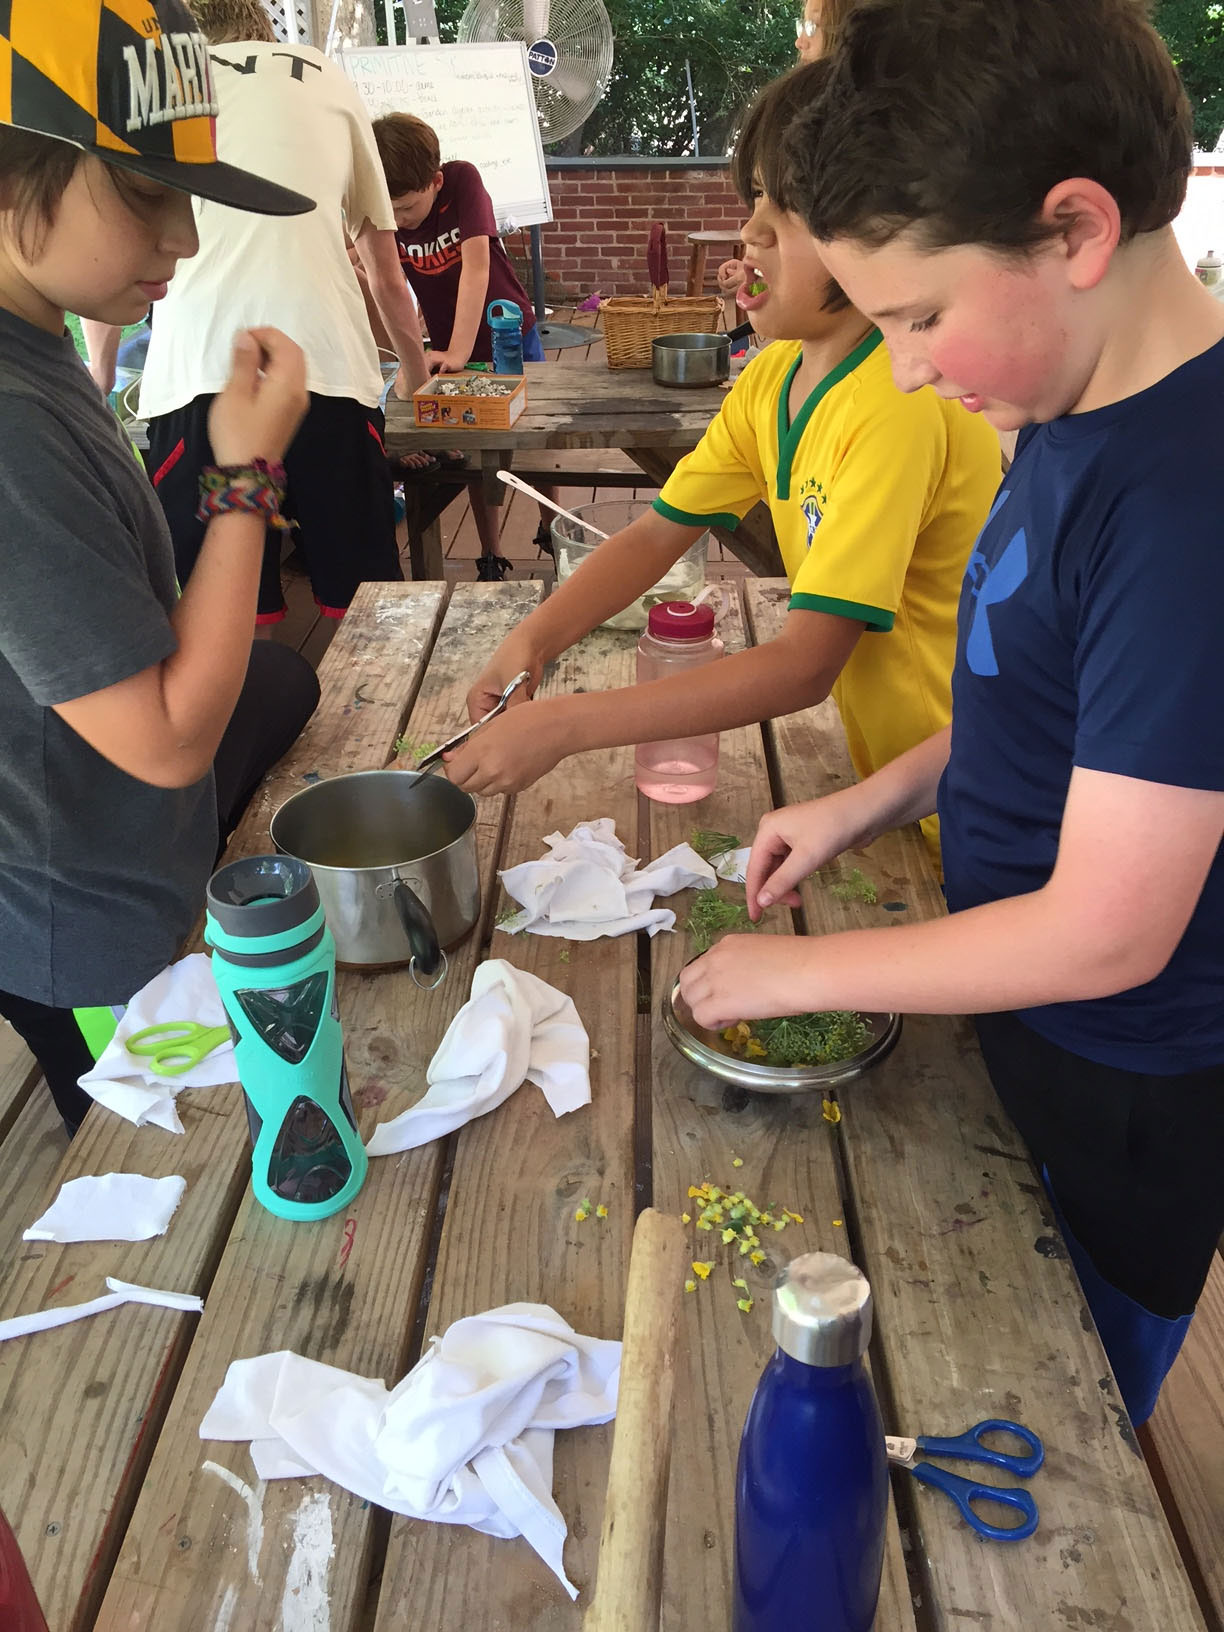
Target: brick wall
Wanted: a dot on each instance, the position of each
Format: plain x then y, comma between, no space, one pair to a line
603,215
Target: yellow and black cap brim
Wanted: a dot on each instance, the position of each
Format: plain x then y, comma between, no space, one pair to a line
129,81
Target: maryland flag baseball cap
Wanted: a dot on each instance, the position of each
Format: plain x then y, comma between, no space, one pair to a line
129,81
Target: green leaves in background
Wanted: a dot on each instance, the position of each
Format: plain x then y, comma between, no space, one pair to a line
1194,34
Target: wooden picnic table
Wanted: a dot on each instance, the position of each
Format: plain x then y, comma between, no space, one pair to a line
128,1521
586,404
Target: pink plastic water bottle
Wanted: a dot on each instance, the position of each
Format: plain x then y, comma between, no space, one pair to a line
678,636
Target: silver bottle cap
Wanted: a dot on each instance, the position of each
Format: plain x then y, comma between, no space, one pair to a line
822,1310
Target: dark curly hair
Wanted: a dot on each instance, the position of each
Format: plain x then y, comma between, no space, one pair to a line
957,117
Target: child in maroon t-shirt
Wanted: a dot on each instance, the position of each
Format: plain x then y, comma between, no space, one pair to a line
455,262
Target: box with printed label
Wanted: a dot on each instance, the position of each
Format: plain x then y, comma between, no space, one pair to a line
470,401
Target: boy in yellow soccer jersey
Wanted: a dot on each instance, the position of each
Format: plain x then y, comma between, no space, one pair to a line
876,499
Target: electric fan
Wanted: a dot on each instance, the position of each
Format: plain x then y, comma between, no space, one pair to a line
569,52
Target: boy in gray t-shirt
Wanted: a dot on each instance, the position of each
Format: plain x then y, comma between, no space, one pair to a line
115,694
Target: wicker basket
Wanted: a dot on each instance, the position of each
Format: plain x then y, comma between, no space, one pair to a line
631,322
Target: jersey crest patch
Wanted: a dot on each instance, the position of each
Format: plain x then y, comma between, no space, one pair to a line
811,503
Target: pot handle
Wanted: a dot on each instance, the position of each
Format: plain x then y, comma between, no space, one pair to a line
427,956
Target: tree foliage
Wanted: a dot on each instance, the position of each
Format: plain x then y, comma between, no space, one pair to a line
732,48
1193,30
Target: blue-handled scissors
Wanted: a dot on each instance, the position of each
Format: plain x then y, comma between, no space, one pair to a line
968,1447
176,1046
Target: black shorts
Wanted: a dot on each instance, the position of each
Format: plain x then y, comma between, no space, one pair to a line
340,494
1134,1161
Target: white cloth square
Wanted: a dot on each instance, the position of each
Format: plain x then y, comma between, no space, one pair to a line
465,1438
514,1027
587,886
127,1083
110,1207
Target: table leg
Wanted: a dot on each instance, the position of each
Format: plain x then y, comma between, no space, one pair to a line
696,269
491,461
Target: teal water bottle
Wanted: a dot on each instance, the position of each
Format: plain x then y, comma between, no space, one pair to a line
274,962
507,327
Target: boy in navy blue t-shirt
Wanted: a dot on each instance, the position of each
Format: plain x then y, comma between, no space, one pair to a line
1001,207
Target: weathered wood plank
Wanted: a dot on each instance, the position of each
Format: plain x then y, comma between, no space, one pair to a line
1186,1431
72,1456
583,405
29,1158
699,1127
978,1311
343,1291
510,1231
18,1074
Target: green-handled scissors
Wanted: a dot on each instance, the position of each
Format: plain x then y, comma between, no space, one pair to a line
176,1046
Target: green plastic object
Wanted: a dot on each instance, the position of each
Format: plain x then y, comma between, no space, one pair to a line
274,962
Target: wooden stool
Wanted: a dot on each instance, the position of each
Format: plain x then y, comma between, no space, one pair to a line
699,242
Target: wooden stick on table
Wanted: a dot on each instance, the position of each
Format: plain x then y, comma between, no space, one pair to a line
629,1582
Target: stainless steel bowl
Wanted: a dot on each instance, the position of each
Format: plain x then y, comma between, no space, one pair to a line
691,359
708,1050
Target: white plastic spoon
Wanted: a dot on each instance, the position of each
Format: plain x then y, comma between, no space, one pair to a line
511,480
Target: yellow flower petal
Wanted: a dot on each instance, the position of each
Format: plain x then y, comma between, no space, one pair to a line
685,1219
703,1270
737,1161
831,1110
756,1257
837,1223
690,1286
601,1211
745,1304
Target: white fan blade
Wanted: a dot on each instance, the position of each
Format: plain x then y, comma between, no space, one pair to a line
574,80
535,20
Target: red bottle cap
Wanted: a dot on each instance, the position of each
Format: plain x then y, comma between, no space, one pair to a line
681,620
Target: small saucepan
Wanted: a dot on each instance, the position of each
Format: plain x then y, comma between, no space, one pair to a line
691,359
394,856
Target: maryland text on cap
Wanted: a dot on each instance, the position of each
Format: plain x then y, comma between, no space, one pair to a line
130,81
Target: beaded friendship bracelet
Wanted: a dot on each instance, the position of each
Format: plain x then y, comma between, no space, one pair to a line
258,488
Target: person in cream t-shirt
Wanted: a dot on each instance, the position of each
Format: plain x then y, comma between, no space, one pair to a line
291,114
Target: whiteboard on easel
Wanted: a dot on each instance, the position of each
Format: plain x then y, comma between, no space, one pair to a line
479,100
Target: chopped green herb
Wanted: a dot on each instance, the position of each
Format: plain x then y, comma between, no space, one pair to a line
711,915
802,1039
855,888
414,750
564,955
757,286
708,845
511,910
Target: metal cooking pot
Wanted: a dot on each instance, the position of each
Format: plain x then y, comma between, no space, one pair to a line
395,865
691,359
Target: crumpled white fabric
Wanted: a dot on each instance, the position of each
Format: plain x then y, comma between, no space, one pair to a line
42,1320
465,1438
732,865
587,886
127,1083
109,1207
515,1027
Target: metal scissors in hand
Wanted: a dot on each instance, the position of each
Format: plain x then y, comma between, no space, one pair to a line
434,757
968,1447
176,1046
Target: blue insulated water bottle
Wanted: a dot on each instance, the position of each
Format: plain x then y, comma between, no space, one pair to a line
274,962
811,1492
507,327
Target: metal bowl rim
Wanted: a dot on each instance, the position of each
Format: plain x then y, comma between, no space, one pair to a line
772,1079
353,776
694,342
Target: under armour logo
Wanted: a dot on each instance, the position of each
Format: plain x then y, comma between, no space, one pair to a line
991,586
